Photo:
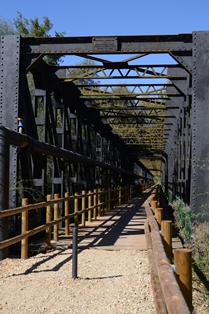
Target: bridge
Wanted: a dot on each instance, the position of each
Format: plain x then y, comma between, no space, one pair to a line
119,120
133,112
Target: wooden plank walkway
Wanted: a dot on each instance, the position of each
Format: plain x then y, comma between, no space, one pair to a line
120,229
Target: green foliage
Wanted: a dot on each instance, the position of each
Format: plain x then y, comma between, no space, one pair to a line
6,27
81,71
194,234
200,246
183,216
33,28
157,179
24,189
124,92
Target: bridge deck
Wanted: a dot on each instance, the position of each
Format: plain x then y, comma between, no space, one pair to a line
120,229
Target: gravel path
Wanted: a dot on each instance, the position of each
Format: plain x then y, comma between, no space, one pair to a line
108,282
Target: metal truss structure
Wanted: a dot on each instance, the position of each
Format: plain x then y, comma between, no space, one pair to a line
140,107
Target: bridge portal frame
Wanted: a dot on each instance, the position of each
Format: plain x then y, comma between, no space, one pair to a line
184,169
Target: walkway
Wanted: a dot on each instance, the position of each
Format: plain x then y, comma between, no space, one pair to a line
113,270
120,229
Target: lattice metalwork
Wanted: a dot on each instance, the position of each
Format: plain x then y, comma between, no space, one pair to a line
133,106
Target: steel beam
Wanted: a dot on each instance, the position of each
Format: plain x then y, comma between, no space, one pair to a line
9,98
181,44
200,127
4,186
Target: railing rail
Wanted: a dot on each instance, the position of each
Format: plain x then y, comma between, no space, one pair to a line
176,289
97,200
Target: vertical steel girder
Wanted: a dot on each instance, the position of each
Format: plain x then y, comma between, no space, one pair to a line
200,125
9,98
4,186
178,145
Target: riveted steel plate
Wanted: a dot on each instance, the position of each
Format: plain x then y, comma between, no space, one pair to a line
105,44
200,124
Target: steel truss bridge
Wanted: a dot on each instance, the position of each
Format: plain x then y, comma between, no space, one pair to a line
138,111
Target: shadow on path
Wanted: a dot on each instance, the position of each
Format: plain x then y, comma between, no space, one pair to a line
123,221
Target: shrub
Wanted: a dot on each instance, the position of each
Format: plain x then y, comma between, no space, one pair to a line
200,246
194,234
182,215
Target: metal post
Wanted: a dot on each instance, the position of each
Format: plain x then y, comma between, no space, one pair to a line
4,186
76,209
75,253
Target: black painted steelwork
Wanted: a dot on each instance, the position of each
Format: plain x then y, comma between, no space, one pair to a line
150,118
4,185
75,253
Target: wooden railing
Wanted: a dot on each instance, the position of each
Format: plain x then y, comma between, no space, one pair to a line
173,289
95,203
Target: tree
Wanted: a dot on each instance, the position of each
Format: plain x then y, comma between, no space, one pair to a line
33,28
6,27
82,69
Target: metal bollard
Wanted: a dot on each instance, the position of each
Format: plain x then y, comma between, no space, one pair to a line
75,253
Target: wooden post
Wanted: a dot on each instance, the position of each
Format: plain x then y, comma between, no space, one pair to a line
99,202
56,216
156,194
131,191
109,200
48,219
89,205
152,197
115,197
67,213
159,194
183,263
119,196
166,227
153,205
103,201
122,193
159,216
24,242
76,209
125,194
95,204
83,222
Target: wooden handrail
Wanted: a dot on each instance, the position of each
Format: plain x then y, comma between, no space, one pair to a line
48,205
174,297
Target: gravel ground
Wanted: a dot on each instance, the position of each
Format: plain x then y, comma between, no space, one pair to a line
108,282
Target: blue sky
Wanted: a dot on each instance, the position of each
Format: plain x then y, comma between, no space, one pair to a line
114,17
